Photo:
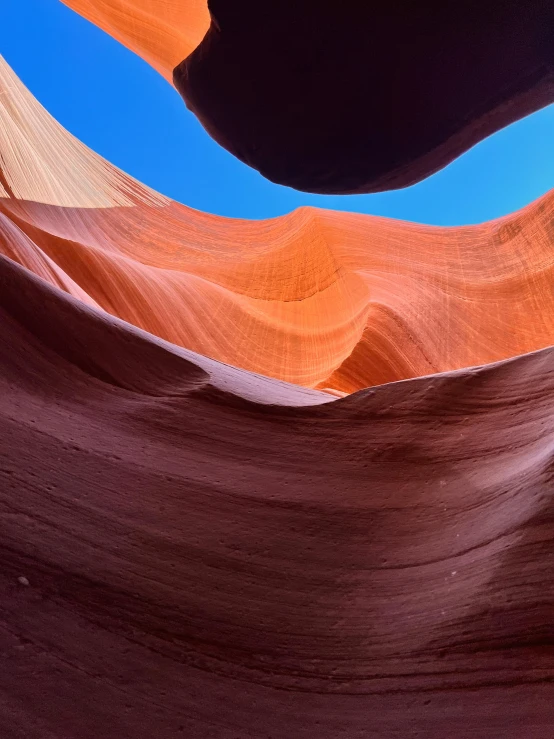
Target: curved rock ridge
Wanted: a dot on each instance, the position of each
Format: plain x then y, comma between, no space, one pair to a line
323,299
162,32
361,97
191,550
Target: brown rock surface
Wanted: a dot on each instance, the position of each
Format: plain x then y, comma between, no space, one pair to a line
319,298
213,554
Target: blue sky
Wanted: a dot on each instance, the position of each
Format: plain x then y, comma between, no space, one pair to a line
121,108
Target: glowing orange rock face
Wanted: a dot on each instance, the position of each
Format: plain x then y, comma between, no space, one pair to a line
318,298
162,32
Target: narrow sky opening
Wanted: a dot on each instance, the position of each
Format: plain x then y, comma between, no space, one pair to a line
120,107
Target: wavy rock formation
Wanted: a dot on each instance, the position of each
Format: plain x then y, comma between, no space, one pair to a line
318,298
364,97
191,550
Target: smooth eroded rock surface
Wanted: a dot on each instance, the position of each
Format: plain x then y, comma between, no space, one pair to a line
214,554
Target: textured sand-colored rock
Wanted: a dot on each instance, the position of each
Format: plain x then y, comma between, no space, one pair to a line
345,97
319,298
212,554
